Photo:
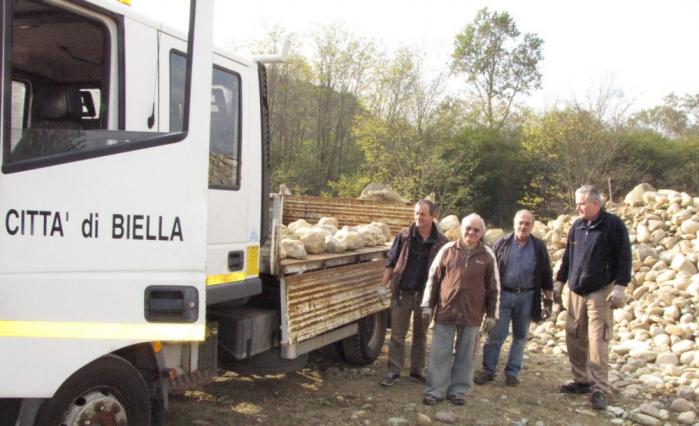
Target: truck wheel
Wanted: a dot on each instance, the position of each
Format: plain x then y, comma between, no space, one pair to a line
108,391
270,362
364,347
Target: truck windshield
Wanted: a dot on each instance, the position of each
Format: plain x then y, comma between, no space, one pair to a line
72,72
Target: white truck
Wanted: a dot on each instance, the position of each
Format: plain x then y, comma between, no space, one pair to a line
136,233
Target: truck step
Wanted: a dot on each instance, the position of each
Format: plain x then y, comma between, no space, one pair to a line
184,382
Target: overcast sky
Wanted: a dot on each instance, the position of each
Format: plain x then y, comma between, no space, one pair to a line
646,48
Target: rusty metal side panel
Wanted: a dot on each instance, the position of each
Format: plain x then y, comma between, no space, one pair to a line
348,211
320,301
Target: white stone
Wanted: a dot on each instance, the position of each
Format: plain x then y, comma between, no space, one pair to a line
689,227
423,420
664,276
681,404
687,418
448,223
313,242
492,235
686,392
645,419
681,263
682,346
642,234
634,197
446,417
293,226
687,358
667,358
329,221
650,380
293,249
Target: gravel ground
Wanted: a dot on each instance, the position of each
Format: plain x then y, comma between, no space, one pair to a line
330,392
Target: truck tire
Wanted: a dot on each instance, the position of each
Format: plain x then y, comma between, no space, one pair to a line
109,390
270,362
364,347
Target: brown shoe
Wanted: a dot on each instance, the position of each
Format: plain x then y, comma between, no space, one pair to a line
390,379
576,388
598,400
418,377
457,399
511,381
429,399
483,377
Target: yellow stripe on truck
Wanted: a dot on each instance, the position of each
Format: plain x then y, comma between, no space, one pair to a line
111,331
252,269
225,278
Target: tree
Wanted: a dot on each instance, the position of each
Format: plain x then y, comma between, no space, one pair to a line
676,117
499,62
480,170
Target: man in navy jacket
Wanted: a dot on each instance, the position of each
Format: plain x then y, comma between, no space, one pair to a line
597,266
525,272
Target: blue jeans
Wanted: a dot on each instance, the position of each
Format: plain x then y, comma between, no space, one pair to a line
515,307
449,376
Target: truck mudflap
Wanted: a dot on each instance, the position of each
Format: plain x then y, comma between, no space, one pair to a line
319,301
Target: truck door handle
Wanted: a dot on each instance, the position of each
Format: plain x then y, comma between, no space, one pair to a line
171,303
235,260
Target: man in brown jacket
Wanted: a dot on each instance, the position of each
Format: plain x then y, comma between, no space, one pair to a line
407,264
461,288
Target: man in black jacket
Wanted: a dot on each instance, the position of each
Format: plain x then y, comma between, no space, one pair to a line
525,271
407,265
597,265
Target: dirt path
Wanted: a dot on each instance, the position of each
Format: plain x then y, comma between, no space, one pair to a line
329,392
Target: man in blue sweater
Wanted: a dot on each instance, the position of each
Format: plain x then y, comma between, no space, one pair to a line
597,266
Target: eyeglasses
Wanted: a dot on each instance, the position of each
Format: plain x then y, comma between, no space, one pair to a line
471,229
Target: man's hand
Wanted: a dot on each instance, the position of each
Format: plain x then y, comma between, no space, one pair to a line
546,312
426,315
382,292
616,297
557,292
488,325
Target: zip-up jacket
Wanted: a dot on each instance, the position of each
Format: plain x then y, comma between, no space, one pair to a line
543,276
462,286
402,243
596,254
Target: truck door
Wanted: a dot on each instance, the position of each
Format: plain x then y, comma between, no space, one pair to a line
234,171
103,234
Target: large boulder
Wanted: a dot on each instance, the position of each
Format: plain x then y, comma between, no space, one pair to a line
381,192
352,239
329,221
449,222
492,235
314,242
635,197
293,249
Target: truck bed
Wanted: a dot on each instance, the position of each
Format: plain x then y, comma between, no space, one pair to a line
329,260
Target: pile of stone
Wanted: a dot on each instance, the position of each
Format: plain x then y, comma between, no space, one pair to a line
655,348
450,226
300,238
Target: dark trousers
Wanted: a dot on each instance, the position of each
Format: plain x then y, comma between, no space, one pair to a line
402,307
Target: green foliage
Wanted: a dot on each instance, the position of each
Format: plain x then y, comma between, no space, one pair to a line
480,170
348,116
349,185
499,63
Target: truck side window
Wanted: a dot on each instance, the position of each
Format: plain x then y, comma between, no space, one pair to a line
224,140
64,73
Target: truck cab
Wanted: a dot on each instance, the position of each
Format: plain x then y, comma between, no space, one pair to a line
103,204
138,235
